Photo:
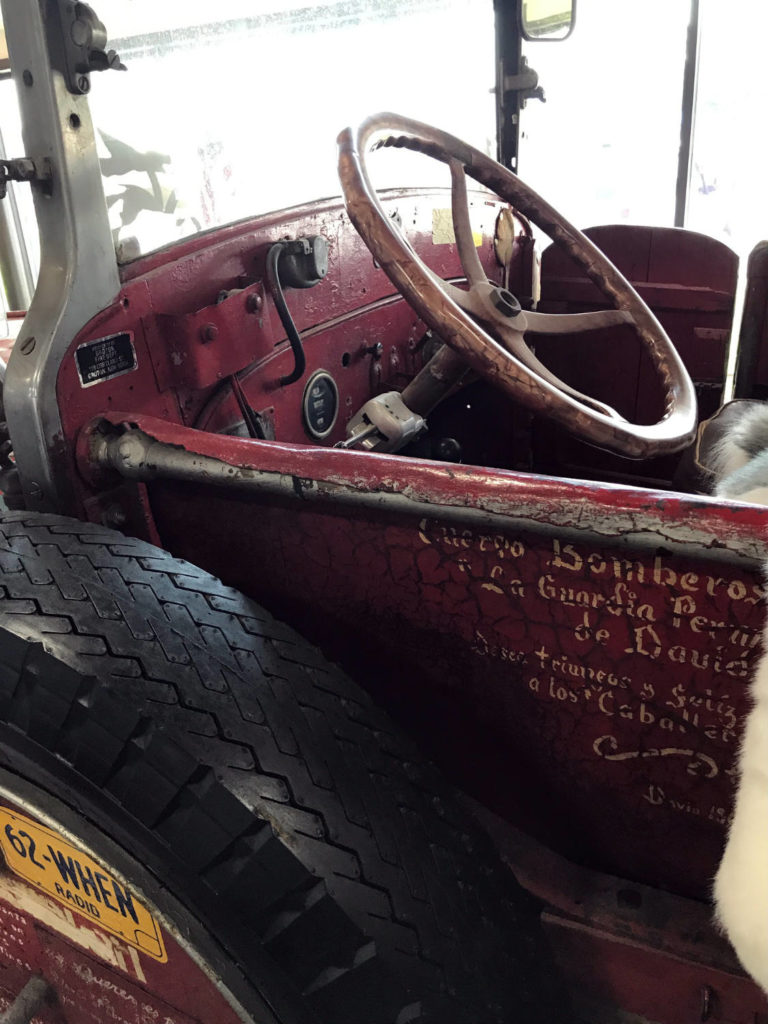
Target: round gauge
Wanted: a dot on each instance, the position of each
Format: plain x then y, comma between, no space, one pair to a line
320,404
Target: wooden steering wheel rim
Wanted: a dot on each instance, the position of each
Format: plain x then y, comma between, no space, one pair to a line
675,430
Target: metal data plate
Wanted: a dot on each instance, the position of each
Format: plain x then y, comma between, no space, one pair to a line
105,358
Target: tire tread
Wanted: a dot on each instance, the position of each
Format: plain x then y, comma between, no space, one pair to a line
327,833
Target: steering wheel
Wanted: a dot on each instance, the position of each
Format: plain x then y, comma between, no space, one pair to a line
485,326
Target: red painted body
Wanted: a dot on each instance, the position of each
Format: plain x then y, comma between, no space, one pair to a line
527,639
576,656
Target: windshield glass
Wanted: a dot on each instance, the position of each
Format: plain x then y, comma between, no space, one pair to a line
233,110
604,147
727,197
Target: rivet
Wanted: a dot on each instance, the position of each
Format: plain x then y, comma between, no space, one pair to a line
28,345
209,332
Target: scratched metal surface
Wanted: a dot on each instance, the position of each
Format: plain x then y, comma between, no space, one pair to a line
575,654
578,656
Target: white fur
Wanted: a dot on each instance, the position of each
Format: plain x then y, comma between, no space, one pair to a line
747,438
729,457
757,496
741,885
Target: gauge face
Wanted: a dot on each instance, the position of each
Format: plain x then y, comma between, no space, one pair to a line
320,404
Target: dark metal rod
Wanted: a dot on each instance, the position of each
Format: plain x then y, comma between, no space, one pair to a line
138,456
27,1002
17,273
276,288
509,50
688,115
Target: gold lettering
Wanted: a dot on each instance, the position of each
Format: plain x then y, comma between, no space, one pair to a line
645,635
574,562
596,563
626,570
546,588
663,574
602,703
736,590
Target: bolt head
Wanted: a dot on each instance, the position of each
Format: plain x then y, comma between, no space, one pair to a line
80,33
505,302
25,168
254,302
208,333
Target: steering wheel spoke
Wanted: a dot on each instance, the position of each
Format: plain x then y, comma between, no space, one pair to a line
576,323
462,225
515,343
484,325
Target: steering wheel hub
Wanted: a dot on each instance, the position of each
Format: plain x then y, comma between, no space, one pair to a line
505,302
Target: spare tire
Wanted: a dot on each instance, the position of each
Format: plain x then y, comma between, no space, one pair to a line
259,785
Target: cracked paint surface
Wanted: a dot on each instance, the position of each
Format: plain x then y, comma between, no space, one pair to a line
591,693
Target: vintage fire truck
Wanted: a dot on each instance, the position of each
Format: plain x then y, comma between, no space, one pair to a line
371,649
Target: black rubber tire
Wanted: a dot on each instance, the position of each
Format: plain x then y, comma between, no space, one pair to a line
151,692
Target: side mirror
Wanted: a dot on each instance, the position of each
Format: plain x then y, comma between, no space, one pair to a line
547,20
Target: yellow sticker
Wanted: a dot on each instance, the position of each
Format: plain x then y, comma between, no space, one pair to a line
46,860
442,229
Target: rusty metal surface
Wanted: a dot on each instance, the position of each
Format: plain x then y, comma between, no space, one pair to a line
482,352
620,944
576,655
646,983
169,296
699,526
589,648
591,694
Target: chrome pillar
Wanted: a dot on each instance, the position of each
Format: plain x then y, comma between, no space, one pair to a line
78,270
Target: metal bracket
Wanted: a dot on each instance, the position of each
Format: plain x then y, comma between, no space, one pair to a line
526,84
26,169
77,41
384,424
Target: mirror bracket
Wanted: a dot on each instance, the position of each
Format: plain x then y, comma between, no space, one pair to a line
525,84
